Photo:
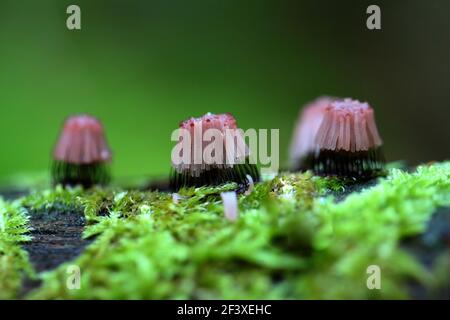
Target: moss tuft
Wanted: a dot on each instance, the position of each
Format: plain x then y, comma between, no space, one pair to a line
291,240
13,259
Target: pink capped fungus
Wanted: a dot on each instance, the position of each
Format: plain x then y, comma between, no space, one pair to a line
338,137
81,154
227,163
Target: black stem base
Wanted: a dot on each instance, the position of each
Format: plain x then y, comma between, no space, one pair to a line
85,175
215,176
358,165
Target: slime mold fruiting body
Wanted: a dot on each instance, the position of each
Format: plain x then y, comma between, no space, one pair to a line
81,155
338,137
230,163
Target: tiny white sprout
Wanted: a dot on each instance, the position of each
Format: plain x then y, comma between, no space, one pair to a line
120,196
230,205
251,185
177,197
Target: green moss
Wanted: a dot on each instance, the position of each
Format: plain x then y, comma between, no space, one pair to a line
292,240
13,259
366,228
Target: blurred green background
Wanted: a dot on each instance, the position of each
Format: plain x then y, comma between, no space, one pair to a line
143,66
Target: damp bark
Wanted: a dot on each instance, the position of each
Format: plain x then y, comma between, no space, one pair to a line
57,238
427,248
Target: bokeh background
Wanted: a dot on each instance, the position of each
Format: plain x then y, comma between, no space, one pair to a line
143,66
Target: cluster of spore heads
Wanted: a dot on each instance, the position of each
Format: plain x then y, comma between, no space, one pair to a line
333,137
